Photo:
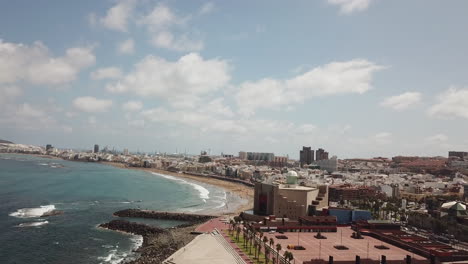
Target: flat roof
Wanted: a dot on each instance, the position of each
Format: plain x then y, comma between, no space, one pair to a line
326,246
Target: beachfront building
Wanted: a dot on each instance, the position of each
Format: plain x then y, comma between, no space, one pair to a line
289,200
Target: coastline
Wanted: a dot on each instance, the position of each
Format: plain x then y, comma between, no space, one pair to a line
242,191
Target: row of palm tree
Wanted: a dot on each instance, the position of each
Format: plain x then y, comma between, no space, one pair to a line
257,240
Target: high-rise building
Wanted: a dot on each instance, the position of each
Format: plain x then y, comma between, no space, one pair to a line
306,156
48,147
459,154
321,154
125,152
96,148
242,155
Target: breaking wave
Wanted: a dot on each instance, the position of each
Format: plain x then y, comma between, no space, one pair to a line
33,212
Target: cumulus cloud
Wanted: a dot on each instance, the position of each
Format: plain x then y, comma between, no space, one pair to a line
91,104
117,17
351,6
353,76
402,101
167,40
184,79
106,73
34,64
452,103
131,106
126,47
207,8
160,24
26,116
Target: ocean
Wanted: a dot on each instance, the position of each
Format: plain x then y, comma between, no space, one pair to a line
88,194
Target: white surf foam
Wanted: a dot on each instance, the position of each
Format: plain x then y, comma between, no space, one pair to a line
204,193
31,224
33,212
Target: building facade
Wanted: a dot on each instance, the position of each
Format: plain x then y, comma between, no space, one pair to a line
288,200
306,156
321,154
96,148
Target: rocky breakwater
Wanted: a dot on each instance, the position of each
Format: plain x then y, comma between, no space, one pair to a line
190,218
158,243
132,228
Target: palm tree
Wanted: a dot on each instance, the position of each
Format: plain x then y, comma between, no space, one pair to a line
237,232
278,248
255,248
259,245
267,254
265,240
286,255
273,260
272,242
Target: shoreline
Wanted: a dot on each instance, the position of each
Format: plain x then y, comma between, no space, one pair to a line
241,190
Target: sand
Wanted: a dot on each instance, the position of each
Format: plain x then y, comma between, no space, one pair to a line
241,190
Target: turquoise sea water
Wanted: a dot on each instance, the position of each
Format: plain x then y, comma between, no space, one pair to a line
88,193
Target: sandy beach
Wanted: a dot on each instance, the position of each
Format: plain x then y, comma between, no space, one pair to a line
242,191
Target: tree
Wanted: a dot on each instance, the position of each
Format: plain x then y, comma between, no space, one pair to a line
267,254
290,256
272,242
238,232
265,240
278,248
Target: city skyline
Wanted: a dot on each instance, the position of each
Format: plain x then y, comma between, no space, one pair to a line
359,78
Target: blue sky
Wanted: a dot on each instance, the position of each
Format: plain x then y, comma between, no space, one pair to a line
360,78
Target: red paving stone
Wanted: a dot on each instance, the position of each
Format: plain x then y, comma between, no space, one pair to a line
356,246
212,224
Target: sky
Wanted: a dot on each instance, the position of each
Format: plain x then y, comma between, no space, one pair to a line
359,78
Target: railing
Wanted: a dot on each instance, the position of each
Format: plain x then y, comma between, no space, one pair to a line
227,246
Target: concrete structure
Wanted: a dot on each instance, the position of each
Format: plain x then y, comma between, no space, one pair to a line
306,156
96,148
289,200
330,165
206,248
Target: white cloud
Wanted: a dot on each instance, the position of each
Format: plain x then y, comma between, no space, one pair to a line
126,47
350,6
185,79
402,101
29,117
106,73
117,16
91,104
160,17
7,93
34,64
452,103
167,40
353,76
207,8
132,106
160,24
